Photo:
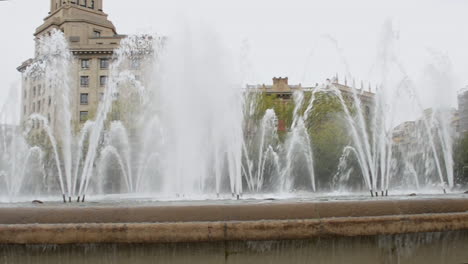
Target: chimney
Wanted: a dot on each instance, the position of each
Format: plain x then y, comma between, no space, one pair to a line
280,80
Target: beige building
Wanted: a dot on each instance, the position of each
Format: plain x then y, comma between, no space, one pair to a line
284,91
92,39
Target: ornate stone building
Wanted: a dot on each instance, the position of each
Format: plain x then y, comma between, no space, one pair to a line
284,91
92,39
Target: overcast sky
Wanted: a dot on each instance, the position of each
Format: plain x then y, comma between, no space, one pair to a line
306,40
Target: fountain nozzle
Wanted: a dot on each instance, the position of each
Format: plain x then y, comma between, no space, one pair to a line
83,200
371,193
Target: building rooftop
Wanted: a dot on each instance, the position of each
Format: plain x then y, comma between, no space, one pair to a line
281,86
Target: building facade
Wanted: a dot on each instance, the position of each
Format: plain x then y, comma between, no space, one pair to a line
463,110
92,38
284,91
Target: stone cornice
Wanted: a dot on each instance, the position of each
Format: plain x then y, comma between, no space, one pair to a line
233,222
51,20
28,62
24,65
44,27
82,52
67,6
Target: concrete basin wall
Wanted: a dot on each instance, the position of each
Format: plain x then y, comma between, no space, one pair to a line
217,223
195,232
418,248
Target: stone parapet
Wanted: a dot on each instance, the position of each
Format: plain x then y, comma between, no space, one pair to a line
215,223
194,232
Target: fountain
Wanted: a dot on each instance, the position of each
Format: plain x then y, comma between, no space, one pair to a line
165,128
176,126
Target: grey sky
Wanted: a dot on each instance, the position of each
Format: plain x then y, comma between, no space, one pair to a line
286,38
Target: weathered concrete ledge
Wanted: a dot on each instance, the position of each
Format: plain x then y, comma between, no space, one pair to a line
192,232
214,223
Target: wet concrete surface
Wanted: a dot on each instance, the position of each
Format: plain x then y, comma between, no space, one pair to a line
386,230
427,248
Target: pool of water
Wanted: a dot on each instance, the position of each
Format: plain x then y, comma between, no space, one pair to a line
148,199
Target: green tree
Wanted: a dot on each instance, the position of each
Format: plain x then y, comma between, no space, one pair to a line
326,126
329,136
461,160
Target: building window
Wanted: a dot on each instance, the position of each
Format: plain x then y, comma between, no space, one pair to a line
97,34
34,91
34,107
39,106
103,80
85,64
39,92
25,94
50,100
83,116
25,109
104,63
92,4
48,118
84,81
84,99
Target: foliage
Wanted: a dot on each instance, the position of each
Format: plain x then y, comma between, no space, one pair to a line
461,160
329,135
283,108
325,125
